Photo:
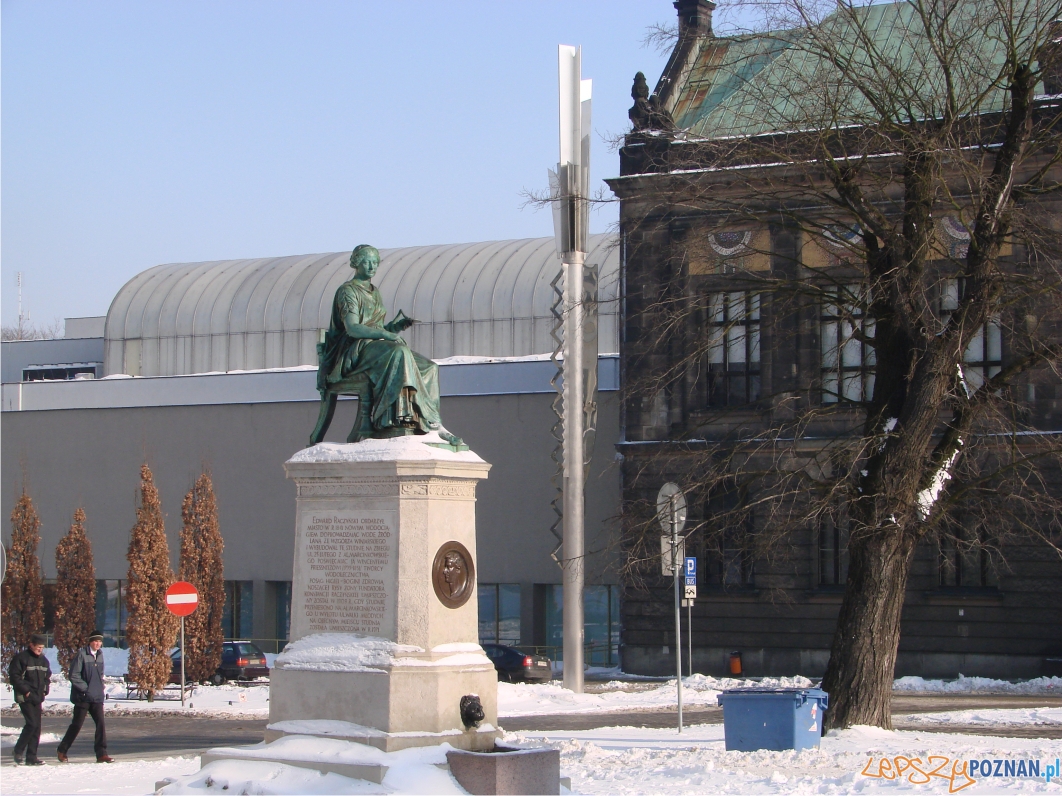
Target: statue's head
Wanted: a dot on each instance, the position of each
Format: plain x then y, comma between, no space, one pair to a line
365,259
453,569
640,90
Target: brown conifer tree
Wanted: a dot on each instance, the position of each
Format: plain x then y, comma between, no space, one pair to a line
75,591
202,566
151,629
23,605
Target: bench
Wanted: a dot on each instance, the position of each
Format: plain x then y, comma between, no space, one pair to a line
133,691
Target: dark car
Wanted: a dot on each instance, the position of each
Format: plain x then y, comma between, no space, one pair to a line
514,666
240,660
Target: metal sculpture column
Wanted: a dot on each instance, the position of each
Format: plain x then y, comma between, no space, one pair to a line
576,329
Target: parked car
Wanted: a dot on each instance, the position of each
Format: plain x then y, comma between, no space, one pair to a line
514,666
240,660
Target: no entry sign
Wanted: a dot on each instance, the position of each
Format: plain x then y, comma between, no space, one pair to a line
182,598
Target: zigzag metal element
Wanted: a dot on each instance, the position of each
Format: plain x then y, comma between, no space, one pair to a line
557,479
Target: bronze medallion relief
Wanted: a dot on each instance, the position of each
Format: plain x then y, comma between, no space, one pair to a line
453,574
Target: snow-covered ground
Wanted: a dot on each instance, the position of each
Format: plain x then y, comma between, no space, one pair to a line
123,777
623,760
610,760
618,760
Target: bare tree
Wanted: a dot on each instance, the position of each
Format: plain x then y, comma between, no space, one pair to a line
151,629
878,190
75,591
23,606
202,565
27,331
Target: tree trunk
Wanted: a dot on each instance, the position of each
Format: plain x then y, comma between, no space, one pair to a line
863,657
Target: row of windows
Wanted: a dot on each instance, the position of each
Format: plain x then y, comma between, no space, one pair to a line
499,619
963,558
237,619
846,351
960,563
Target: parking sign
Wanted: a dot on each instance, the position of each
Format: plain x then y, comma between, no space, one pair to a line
691,568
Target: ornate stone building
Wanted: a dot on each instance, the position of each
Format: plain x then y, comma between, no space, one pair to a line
739,321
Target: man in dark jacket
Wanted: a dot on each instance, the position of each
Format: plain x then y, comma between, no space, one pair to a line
30,677
86,692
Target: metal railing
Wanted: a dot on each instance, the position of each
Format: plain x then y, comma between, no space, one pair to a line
595,653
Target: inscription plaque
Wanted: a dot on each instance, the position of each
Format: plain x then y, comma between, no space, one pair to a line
348,569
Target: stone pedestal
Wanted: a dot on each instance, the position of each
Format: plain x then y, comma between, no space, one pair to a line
384,615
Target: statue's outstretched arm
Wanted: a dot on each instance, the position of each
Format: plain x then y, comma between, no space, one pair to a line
360,331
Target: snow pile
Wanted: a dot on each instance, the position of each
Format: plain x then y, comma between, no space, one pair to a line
231,776
415,770
698,690
979,685
342,652
9,735
987,717
411,448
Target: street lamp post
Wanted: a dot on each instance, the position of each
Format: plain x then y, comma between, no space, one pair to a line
569,188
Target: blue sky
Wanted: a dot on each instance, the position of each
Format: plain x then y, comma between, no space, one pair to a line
139,133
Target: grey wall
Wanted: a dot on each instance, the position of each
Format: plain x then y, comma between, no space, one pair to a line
18,354
91,458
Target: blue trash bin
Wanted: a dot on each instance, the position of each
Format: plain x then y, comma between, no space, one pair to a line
772,718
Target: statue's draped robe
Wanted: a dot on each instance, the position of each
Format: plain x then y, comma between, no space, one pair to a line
405,385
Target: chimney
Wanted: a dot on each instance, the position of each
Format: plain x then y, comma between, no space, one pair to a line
695,17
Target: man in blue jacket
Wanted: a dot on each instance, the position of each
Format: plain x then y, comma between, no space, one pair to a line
86,692
30,677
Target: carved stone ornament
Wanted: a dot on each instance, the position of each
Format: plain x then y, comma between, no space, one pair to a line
453,575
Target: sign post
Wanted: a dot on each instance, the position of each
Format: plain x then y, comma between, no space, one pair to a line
181,600
671,513
690,596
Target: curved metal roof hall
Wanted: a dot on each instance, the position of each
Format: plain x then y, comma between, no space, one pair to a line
476,299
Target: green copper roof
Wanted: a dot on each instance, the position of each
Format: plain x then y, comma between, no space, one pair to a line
806,78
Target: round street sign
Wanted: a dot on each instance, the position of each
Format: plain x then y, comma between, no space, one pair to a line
182,598
671,495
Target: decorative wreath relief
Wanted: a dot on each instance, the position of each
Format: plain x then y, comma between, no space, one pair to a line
728,244
453,575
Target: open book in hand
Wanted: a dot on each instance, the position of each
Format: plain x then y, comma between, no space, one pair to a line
399,323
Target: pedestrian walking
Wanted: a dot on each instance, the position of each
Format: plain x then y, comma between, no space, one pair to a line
30,677
86,692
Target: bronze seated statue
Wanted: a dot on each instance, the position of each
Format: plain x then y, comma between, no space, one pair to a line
360,355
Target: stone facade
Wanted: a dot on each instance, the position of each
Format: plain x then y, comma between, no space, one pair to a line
780,610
